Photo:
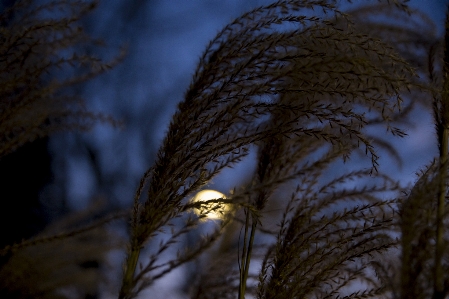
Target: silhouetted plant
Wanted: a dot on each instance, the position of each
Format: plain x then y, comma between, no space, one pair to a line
42,48
301,89
424,212
40,56
423,217
298,82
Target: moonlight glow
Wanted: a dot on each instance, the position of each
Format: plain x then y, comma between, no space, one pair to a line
209,195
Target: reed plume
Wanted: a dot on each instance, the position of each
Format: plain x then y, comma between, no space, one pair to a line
301,89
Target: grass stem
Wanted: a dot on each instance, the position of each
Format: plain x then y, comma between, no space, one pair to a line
130,268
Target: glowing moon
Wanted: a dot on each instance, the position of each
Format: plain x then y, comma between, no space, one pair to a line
205,195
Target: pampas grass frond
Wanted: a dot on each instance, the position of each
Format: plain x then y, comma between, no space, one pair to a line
302,85
40,57
292,85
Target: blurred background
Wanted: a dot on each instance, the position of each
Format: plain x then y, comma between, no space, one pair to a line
68,172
